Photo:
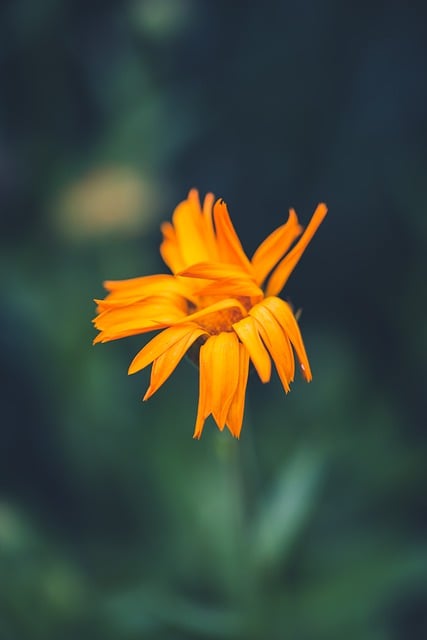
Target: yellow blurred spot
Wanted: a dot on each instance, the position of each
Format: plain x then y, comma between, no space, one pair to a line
104,201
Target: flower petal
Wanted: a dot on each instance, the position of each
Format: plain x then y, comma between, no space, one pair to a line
235,413
162,343
284,269
170,249
203,407
123,291
276,342
151,314
229,246
210,237
219,360
167,362
271,250
231,287
228,278
108,336
142,282
284,315
214,271
222,305
247,331
191,230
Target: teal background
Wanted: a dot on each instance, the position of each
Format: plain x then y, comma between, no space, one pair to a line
114,522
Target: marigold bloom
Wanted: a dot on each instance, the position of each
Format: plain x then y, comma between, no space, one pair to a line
217,304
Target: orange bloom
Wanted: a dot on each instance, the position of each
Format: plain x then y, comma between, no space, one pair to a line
219,307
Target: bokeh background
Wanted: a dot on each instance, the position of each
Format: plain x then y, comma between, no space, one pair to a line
114,523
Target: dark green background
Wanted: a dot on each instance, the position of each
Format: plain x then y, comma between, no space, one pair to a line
114,523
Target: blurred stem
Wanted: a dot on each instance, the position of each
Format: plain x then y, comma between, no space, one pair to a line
241,485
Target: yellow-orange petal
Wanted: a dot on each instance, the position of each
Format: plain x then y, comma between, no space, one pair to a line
155,313
273,248
229,245
231,287
170,250
203,407
219,358
276,342
228,279
108,336
191,231
225,375
110,310
209,234
247,331
141,282
167,362
234,419
222,305
284,315
284,269
162,343
145,309
121,291
214,271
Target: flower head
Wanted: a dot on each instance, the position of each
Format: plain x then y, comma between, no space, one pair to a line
218,306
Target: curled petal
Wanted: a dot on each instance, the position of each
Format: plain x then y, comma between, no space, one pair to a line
140,317
144,284
275,246
214,271
222,305
162,343
276,342
203,407
219,376
210,238
170,249
284,269
167,362
142,288
247,330
284,315
235,413
191,237
232,287
229,245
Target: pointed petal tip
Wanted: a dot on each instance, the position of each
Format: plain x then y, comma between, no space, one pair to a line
147,394
306,372
235,433
198,429
220,205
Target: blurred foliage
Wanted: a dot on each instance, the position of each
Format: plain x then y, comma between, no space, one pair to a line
114,523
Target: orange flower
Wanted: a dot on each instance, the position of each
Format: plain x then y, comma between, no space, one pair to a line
218,307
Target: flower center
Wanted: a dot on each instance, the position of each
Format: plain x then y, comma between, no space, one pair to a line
220,321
